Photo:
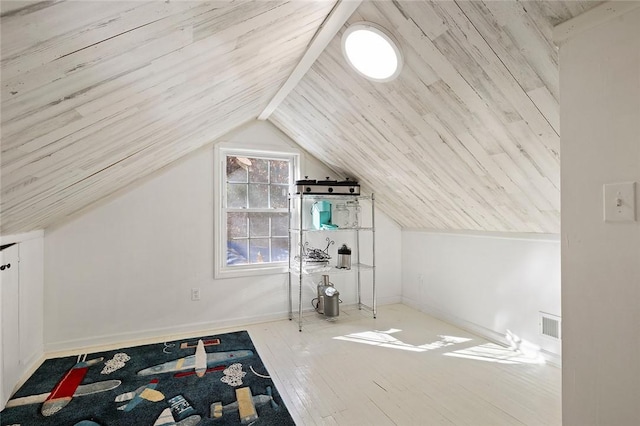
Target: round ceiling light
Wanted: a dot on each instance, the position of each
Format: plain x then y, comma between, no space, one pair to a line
371,51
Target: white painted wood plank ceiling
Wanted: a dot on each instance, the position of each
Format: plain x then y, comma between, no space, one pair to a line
468,136
97,94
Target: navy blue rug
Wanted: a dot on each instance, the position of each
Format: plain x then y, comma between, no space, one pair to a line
210,380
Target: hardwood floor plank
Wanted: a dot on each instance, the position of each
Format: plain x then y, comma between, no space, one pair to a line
396,370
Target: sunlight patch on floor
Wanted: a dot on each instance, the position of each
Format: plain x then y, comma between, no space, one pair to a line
385,340
490,352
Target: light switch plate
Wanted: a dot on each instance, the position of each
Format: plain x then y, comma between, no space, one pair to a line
620,202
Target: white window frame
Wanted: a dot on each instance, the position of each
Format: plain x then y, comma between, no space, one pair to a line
221,151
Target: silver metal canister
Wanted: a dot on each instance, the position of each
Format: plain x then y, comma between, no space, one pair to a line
331,302
344,257
322,286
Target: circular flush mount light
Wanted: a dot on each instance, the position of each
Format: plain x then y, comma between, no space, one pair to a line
371,51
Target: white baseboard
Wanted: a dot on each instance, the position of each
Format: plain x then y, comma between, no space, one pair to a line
390,300
491,335
31,364
53,349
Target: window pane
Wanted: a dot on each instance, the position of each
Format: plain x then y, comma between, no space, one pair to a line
259,224
279,249
259,171
237,169
236,225
237,252
279,171
279,196
236,195
259,250
253,186
279,225
258,196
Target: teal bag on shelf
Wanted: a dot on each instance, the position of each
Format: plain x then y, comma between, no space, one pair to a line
321,214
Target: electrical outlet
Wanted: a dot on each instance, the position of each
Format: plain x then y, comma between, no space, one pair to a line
195,294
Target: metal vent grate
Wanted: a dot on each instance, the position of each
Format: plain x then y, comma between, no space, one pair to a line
550,325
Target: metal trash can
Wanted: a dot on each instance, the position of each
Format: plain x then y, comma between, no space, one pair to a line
328,298
331,302
344,257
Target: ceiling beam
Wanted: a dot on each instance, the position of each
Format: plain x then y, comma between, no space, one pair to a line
336,19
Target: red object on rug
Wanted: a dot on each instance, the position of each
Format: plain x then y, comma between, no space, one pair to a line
67,386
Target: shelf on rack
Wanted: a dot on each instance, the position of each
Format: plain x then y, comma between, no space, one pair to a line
316,270
360,228
329,196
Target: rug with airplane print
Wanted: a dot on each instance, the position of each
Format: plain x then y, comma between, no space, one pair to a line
210,380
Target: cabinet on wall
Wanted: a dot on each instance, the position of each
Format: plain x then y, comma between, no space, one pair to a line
9,321
353,222
21,307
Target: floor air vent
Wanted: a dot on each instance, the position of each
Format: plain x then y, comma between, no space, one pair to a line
550,325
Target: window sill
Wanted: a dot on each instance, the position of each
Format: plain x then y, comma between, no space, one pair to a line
250,271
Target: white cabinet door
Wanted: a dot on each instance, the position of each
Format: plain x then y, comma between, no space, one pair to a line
9,321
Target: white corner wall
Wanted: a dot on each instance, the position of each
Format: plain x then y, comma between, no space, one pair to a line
600,115
485,283
124,270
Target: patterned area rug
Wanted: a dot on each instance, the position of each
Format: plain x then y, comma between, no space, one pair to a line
211,380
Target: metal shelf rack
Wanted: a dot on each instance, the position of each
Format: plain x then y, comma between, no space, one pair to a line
297,232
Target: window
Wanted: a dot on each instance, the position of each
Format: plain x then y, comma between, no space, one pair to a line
253,235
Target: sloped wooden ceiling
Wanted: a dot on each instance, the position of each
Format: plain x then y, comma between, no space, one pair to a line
468,136
97,94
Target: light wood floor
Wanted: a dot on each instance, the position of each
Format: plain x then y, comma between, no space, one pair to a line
402,369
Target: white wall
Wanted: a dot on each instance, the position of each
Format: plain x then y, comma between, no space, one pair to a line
124,269
600,114
31,299
485,283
